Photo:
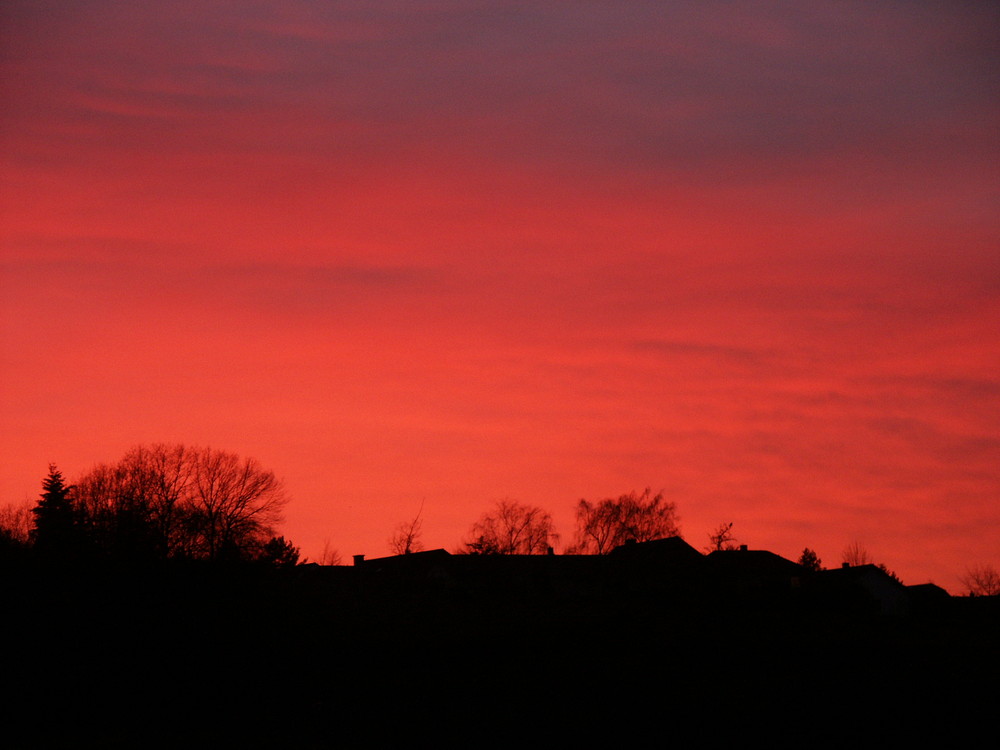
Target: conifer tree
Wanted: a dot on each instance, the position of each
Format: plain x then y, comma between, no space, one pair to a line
55,517
810,561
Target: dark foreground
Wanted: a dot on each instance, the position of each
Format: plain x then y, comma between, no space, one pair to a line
202,656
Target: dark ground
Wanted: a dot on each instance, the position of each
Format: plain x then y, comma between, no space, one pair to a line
200,656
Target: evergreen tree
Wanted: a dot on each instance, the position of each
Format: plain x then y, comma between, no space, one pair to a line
279,552
55,517
810,560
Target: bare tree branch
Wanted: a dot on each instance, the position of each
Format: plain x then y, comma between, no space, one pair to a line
406,538
982,580
173,501
722,538
511,529
855,553
602,526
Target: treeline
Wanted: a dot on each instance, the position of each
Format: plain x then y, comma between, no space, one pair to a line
512,528
178,502
159,502
171,501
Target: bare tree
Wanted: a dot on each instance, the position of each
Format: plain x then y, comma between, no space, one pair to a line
406,538
16,522
982,580
171,500
511,529
329,555
855,553
234,503
722,538
141,502
601,526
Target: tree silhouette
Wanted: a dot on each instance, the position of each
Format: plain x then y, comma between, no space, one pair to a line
139,505
982,580
279,552
330,555
810,561
511,529
16,523
601,526
891,573
234,503
176,501
722,538
406,538
855,553
55,528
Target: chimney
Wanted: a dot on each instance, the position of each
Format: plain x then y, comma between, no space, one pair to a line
358,559
743,548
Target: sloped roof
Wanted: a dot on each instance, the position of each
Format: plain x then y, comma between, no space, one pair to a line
672,548
755,560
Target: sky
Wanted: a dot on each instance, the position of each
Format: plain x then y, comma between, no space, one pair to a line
424,256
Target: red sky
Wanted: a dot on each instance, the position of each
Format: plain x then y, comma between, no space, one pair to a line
452,252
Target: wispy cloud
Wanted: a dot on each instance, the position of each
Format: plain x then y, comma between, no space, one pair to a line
504,248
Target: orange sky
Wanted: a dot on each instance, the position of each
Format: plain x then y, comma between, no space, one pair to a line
452,252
